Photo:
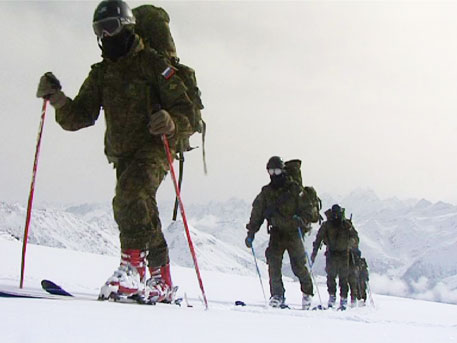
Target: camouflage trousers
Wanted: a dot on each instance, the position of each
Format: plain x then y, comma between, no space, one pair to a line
353,283
135,208
337,265
357,285
278,244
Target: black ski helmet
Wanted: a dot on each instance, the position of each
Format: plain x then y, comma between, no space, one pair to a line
275,162
110,17
336,208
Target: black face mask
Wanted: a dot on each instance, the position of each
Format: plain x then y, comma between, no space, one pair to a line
117,46
278,181
337,218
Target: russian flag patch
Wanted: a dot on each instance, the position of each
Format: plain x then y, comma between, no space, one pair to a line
167,73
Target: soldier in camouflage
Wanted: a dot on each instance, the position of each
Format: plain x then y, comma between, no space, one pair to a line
358,277
282,204
142,99
340,237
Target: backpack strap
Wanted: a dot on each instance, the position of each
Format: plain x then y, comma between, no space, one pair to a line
205,167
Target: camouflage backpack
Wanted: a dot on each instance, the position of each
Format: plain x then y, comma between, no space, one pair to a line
293,170
152,25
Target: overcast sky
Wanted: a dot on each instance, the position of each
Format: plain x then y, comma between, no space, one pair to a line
363,92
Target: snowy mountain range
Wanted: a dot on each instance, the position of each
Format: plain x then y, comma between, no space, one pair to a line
410,245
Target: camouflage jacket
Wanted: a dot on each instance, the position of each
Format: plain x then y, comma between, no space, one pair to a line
279,206
129,91
338,238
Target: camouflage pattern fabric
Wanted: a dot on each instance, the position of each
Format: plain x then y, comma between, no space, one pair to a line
135,209
358,278
363,279
293,170
337,265
339,238
279,206
153,25
278,244
130,90
353,281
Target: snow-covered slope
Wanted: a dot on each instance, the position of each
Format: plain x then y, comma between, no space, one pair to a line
213,254
393,319
90,230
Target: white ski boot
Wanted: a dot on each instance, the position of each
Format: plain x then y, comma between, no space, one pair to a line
277,301
127,282
159,287
306,302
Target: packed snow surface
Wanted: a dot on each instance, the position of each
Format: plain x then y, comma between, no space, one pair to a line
392,319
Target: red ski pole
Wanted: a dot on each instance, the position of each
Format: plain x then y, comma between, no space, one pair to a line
32,190
184,218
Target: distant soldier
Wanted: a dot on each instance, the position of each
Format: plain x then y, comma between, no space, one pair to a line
358,277
340,237
284,205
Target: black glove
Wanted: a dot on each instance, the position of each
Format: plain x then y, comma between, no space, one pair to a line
49,88
249,239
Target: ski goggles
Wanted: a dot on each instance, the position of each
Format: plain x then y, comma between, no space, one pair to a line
107,27
274,171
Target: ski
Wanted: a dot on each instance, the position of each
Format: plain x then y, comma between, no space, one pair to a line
51,291
241,303
53,288
14,294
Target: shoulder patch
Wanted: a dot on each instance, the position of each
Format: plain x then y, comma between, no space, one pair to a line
168,73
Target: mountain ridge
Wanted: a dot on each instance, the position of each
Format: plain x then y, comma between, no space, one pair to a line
407,240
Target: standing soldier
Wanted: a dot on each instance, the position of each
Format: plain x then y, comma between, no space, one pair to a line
143,99
282,204
340,237
358,277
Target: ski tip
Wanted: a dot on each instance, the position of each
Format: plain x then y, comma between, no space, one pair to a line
240,303
52,288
